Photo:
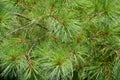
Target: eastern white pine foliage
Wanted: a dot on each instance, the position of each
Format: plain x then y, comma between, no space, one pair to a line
59,39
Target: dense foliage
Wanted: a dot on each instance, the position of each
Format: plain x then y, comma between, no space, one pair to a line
59,39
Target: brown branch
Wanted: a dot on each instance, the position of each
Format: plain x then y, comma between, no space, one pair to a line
107,72
52,8
17,30
59,20
34,43
30,50
22,16
99,14
27,55
29,61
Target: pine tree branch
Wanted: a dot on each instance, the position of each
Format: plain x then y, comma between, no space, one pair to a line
34,44
31,48
58,19
18,29
27,55
22,16
99,14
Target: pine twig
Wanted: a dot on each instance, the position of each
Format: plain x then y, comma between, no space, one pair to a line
27,55
99,14
22,16
18,29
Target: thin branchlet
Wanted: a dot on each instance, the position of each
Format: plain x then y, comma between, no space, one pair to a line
22,16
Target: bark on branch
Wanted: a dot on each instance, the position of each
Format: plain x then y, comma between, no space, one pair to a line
22,16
